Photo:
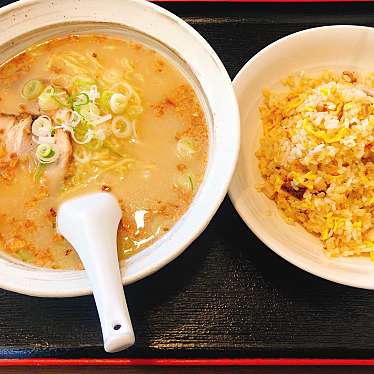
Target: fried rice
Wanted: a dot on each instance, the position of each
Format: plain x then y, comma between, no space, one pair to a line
316,156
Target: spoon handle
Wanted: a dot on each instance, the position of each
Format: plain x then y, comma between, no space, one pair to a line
90,224
105,278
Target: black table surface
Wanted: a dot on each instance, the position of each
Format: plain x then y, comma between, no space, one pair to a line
227,295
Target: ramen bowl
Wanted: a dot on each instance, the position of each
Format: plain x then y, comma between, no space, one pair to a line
33,21
312,51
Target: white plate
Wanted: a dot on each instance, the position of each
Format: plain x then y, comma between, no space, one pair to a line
313,50
30,21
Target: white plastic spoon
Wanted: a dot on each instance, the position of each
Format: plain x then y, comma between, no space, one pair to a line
90,224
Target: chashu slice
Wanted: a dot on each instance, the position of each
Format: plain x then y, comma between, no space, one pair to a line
17,134
17,139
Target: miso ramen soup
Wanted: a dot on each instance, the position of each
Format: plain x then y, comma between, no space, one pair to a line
94,113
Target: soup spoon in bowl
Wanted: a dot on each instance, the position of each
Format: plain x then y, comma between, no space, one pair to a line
89,223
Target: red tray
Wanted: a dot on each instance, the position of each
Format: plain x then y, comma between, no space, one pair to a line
186,362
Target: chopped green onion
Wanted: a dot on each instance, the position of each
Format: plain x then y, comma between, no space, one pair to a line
61,116
47,100
42,126
67,116
83,110
49,90
80,100
32,89
122,127
185,147
92,93
46,153
104,100
44,150
185,182
91,114
88,110
81,129
126,89
118,103
75,118
86,139
191,183
63,98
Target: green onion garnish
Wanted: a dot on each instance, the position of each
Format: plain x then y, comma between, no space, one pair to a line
46,154
80,99
47,101
63,99
191,183
118,103
32,89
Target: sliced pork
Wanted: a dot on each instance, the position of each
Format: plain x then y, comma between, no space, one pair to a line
17,135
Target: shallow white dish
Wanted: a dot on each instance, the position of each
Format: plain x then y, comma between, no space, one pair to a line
31,21
313,50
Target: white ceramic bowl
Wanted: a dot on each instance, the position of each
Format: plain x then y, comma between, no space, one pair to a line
313,50
31,21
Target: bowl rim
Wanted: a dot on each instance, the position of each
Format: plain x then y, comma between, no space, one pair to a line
275,245
211,208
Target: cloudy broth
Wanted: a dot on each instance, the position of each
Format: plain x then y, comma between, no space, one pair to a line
94,113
